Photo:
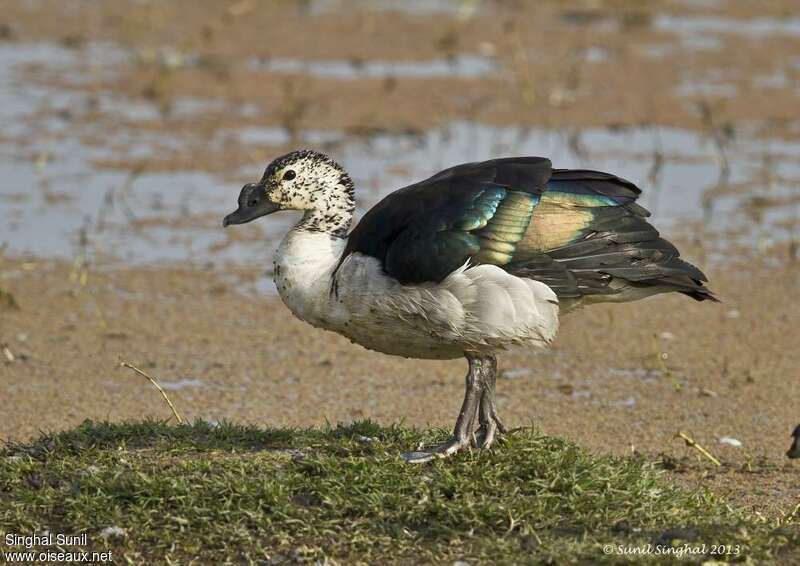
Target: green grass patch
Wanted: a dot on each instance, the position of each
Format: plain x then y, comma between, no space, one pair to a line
230,492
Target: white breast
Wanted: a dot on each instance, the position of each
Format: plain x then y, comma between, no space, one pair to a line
303,264
482,309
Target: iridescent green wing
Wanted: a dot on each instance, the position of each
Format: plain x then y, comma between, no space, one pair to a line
476,211
587,236
580,232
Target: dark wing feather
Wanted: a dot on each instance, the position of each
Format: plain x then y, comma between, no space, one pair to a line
427,230
588,223
578,231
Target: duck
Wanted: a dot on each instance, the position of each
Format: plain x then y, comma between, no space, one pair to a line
478,259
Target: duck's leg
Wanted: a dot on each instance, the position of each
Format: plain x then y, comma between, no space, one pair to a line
465,424
490,423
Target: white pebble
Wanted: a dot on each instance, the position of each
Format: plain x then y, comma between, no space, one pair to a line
117,532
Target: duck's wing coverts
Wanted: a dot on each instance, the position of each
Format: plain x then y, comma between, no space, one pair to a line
580,232
426,231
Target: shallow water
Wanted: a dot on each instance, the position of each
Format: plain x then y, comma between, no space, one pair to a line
462,66
702,25
54,202
413,7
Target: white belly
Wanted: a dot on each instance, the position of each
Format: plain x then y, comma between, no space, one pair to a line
481,310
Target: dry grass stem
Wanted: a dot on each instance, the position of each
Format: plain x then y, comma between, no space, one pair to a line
691,442
155,382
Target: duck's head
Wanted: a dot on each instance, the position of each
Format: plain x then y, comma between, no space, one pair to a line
304,180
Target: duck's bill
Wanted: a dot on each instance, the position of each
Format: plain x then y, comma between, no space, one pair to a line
253,203
245,215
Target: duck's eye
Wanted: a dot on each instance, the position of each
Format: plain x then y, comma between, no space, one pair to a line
289,175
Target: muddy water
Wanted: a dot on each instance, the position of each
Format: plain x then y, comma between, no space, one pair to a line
462,66
55,202
699,26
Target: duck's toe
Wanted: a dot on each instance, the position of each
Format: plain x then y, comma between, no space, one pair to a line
452,446
491,427
489,432
486,436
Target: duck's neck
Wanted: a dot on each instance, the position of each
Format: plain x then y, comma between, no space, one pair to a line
309,253
333,212
304,264
334,222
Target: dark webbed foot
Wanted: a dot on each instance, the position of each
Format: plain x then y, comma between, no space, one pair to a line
479,405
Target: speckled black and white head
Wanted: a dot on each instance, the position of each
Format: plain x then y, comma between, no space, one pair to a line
303,180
